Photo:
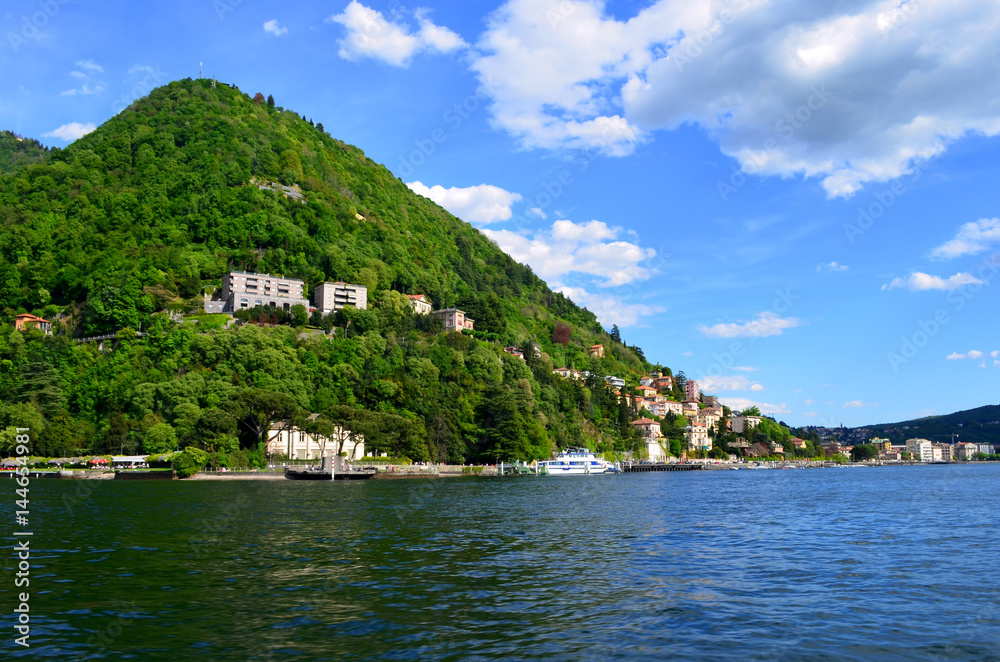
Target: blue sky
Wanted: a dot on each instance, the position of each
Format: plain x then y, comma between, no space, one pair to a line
795,204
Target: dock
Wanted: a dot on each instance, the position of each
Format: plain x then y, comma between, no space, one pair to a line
660,466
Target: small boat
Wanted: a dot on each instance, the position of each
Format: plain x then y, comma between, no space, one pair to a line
329,469
578,462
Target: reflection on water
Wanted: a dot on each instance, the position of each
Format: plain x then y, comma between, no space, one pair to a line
893,563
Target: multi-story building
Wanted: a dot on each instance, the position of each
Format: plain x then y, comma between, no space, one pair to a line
743,424
615,382
691,390
242,290
920,449
965,450
697,437
664,383
987,449
597,351
331,296
647,426
881,443
454,319
690,407
944,452
297,444
421,304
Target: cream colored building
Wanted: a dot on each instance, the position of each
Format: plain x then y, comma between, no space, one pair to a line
297,444
697,437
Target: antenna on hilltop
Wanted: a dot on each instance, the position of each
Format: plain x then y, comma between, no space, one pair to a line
200,65
213,81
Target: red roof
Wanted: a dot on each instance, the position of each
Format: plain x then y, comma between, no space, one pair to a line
644,421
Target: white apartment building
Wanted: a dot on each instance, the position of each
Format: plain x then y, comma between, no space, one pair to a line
920,449
331,296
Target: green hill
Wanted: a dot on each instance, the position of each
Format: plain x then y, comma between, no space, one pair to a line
150,210
979,425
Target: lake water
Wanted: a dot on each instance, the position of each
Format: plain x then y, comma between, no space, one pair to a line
836,564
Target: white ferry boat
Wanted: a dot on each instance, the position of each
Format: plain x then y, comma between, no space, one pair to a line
578,462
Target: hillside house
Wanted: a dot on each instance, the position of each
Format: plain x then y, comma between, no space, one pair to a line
26,321
421,304
597,351
454,319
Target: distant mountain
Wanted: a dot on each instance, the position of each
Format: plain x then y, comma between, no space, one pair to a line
981,424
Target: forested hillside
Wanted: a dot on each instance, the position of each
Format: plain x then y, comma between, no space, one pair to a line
16,152
149,211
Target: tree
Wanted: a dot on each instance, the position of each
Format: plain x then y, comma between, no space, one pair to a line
270,101
752,411
160,438
300,315
319,126
258,98
256,411
616,335
561,334
864,452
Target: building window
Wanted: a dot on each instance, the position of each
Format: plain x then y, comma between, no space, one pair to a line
244,303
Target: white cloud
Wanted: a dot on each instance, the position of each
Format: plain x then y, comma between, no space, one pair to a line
688,354
537,211
845,92
766,324
832,267
71,131
745,368
717,383
739,404
88,83
858,403
995,353
973,354
569,247
370,34
972,238
272,27
918,281
610,309
808,401
483,203
90,65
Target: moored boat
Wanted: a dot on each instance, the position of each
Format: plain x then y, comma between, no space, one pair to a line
578,462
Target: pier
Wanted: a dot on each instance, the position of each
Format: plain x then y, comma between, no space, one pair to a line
660,466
